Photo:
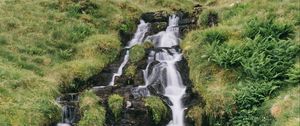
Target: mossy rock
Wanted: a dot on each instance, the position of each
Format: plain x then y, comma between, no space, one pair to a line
157,107
130,71
137,53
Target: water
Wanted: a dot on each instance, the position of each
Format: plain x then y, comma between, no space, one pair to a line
166,71
138,38
120,69
69,103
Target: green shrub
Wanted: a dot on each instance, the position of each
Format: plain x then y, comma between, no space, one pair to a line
252,94
208,18
215,35
227,56
268,58
93,113
136,53
294,74
158,109
249,97
115,103
268,28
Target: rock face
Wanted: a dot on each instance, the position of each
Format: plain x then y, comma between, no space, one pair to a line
134,112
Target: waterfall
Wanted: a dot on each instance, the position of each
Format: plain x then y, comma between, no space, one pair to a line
166,71
69,103
138,38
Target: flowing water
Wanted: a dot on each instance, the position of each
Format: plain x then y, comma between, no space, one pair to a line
69,103
166,71
137,39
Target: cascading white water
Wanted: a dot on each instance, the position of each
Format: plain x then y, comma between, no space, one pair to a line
166,70
139,35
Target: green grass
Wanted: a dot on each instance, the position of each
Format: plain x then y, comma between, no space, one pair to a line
46,44
244,61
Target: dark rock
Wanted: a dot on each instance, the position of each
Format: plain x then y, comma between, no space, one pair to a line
159,16
103,91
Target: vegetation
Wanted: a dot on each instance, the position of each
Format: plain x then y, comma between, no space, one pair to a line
136,53
46,44
94,113
158,109
239,72
244,58
115,103
131,71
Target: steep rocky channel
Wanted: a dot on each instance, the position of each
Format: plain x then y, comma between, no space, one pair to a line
154,75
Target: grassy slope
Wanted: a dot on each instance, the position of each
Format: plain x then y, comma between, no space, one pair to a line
218,84
45,44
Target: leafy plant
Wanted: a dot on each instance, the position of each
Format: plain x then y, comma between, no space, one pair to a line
227,56
294,74
268,28
268,58
247,100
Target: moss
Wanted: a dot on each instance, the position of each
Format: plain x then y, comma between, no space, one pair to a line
115,103
136,53
158,109
147,45
93,112
130,71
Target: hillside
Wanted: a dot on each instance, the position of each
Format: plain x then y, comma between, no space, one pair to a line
243,59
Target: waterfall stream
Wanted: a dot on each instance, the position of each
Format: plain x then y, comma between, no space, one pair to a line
161,70
165,71
137,39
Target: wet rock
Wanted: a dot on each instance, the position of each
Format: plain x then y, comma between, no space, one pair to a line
103,91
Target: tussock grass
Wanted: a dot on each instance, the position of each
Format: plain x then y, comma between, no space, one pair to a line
115,103
46,44
94,113
157,107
